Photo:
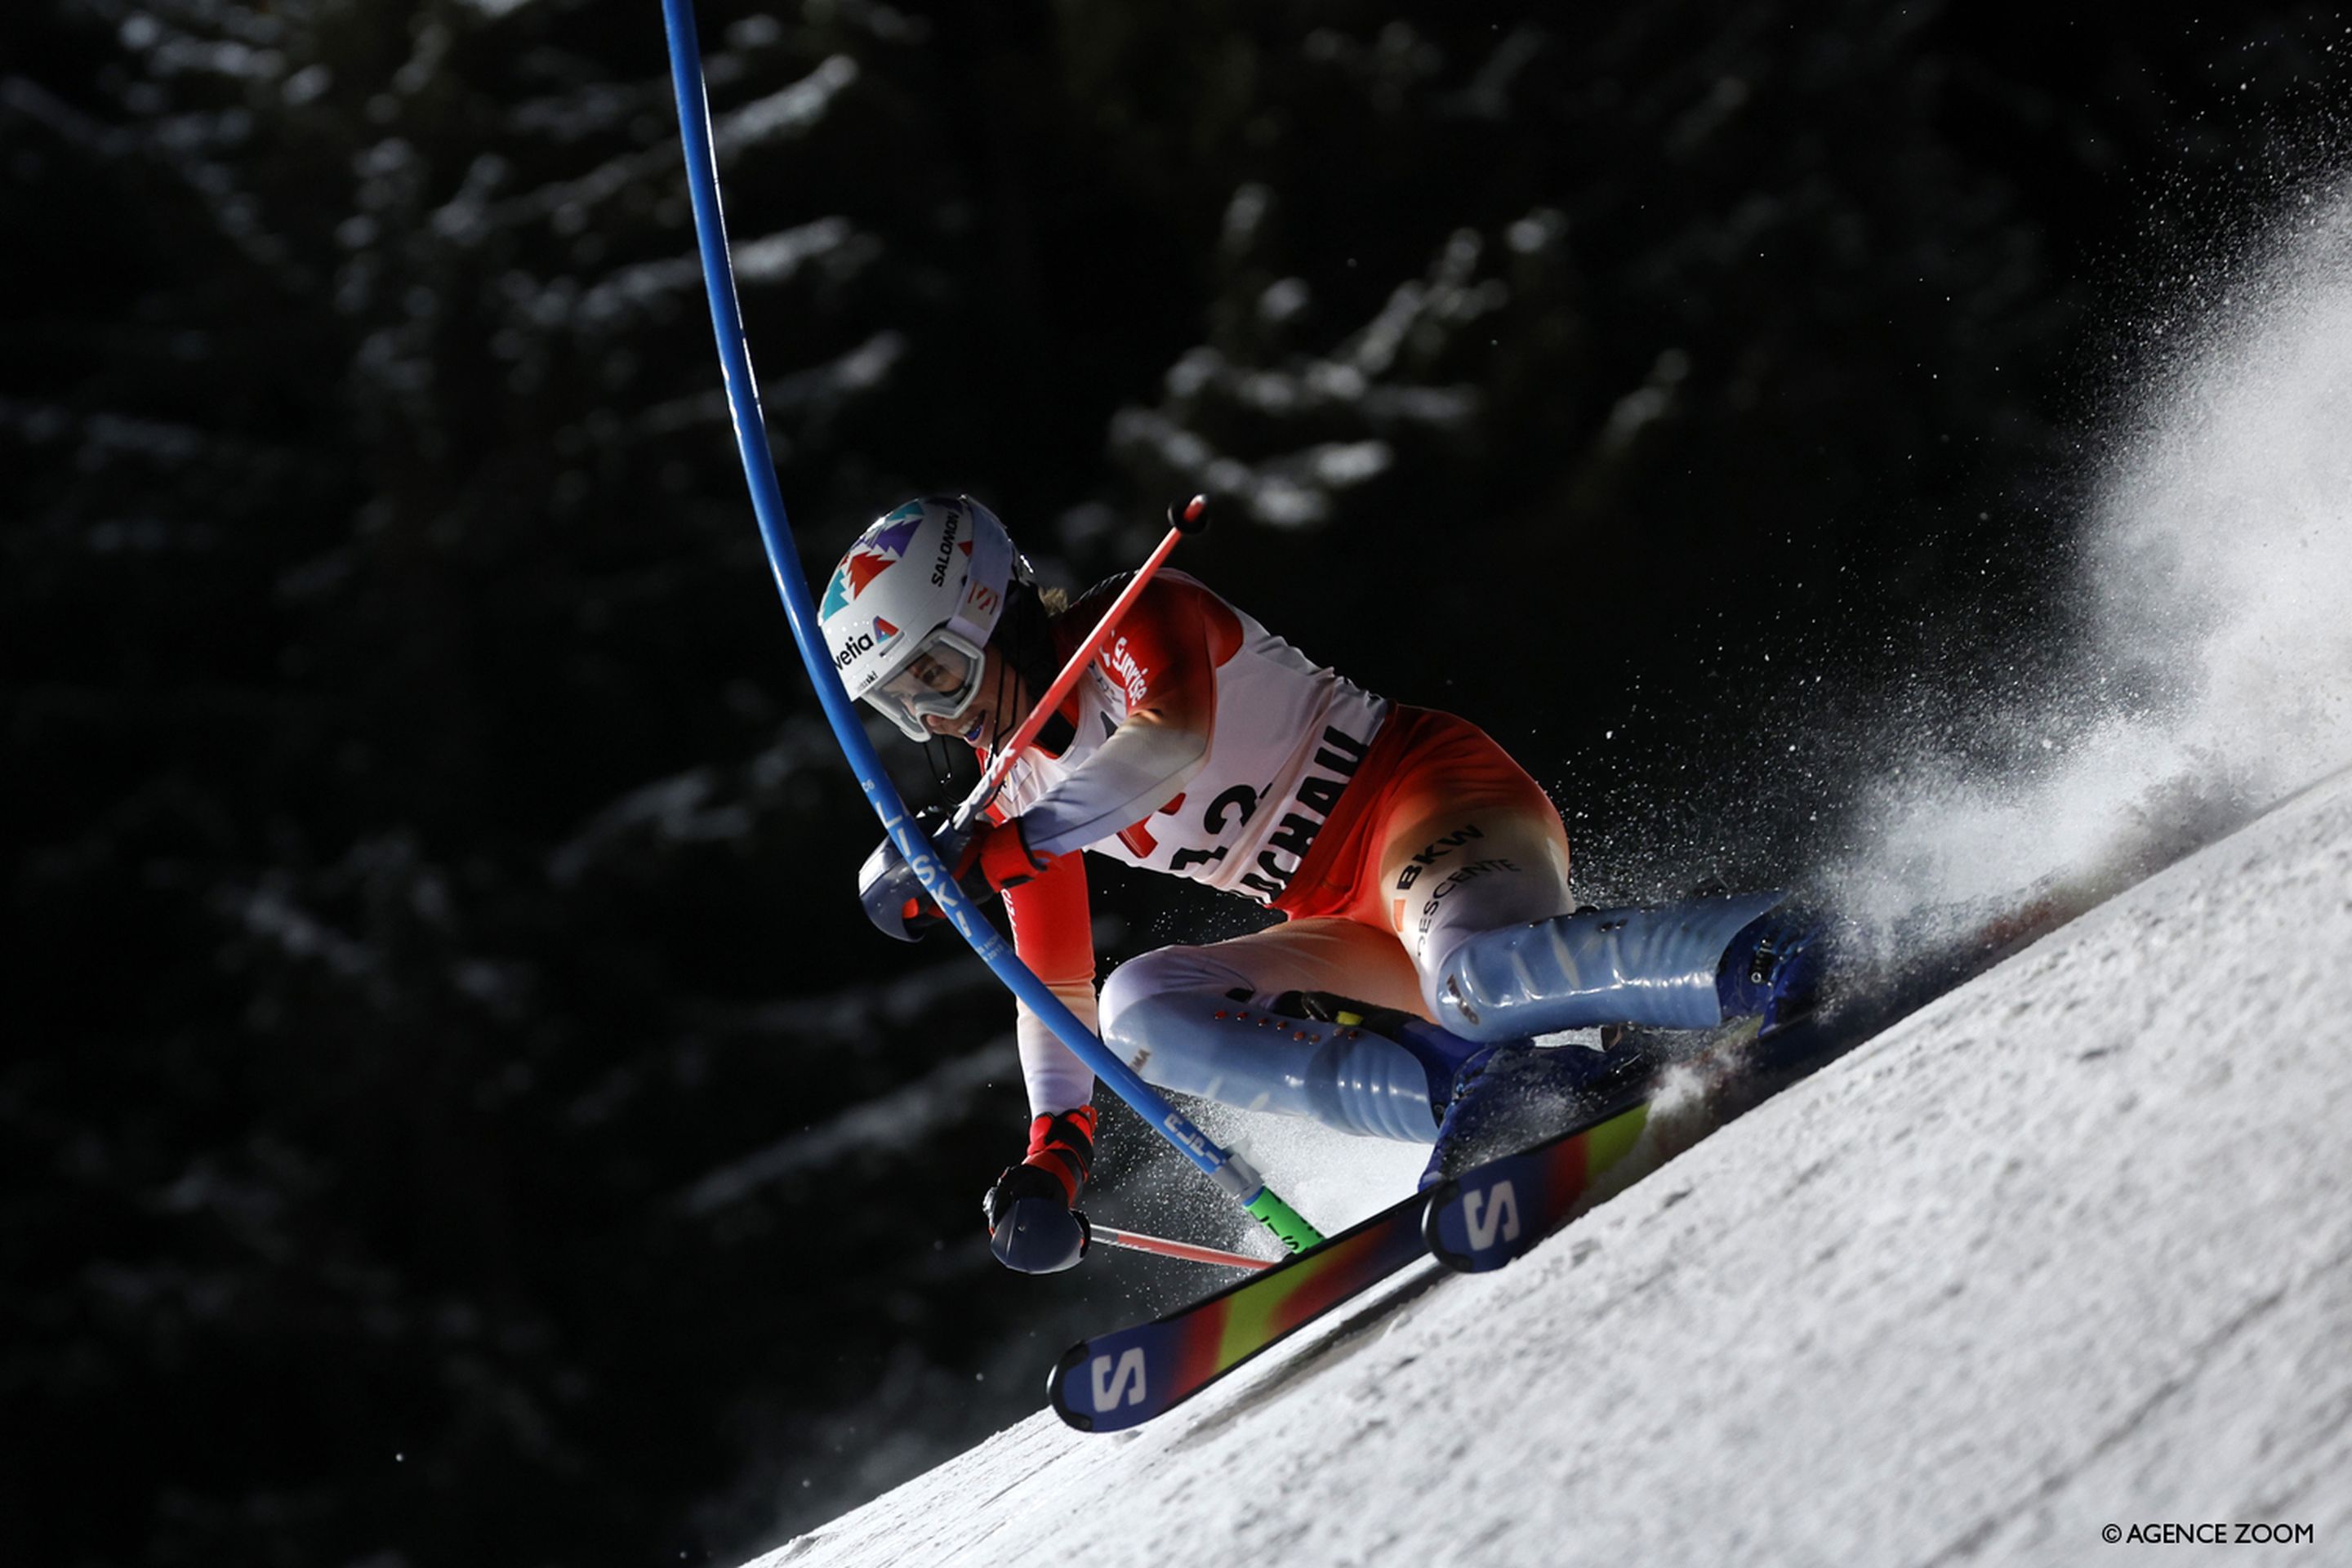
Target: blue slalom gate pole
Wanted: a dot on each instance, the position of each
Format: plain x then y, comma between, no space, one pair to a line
1228,1171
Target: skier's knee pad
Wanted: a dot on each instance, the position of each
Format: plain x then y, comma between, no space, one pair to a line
1598,966
1160,972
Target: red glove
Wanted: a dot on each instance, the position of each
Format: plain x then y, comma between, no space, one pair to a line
1064,1146
998,857
1030,1225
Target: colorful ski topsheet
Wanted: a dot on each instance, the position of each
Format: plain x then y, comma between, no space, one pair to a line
1492,1213
1119,1380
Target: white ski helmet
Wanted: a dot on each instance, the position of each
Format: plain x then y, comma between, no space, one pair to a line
908,611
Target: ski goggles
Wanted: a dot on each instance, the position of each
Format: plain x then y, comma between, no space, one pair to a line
940,681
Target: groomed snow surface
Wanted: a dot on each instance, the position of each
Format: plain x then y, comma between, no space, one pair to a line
2071,1248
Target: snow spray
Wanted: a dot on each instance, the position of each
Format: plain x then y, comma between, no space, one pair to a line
2215,672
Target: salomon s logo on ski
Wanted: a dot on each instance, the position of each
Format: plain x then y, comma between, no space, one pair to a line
1491,1214
1119,1383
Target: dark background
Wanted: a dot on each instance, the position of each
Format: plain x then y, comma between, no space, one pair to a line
453,1112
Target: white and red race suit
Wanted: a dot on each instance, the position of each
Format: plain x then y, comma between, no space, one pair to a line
1203,746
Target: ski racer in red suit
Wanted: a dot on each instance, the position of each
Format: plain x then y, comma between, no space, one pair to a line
1428,932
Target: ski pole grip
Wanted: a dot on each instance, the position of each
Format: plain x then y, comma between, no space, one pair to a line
1289,1226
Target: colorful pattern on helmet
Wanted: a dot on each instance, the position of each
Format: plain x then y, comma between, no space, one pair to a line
883,546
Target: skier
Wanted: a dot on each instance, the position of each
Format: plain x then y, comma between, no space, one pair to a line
1429,932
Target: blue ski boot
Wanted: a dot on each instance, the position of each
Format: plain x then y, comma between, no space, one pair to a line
1774,968
1515,1094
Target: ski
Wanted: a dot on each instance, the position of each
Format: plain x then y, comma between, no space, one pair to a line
1119,1380
1496,1210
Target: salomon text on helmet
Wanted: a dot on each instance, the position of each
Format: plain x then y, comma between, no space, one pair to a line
908,611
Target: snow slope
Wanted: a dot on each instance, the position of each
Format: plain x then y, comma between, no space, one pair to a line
2071,1247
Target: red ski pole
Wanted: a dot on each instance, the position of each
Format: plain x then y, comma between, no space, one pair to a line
1193,518
1192,1252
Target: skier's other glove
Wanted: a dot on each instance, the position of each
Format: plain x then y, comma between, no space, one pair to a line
893,897
983,861
1030,1225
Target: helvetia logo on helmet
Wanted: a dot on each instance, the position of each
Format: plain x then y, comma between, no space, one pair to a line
850,648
